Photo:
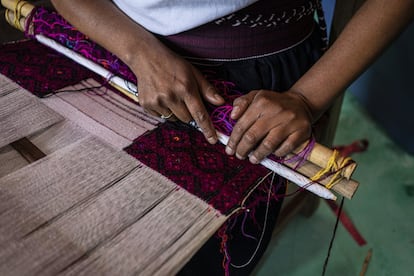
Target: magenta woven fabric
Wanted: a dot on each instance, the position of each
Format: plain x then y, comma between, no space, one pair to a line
39,69
182,154
54,26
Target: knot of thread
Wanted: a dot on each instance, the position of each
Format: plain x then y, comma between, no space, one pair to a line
334,165
18,14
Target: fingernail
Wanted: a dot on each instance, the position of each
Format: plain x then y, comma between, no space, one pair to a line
239,156
253,159
234,111
229,151
218,97
212,140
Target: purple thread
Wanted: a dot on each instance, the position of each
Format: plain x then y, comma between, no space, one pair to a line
53,26
243,226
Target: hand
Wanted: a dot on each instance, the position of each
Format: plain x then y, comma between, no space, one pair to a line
269,122
168,84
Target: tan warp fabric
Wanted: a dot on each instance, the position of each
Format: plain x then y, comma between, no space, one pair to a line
87,207
102,112
21,113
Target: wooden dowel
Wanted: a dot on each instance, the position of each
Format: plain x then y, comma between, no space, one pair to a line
24,7
320,156
366,263
344,187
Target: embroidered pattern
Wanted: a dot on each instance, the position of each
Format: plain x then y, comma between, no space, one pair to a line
270,20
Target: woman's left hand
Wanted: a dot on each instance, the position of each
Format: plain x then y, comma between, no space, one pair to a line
269,122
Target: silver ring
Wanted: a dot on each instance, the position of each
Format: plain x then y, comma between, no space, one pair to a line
167,117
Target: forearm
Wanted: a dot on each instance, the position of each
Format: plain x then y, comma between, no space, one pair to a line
368,33
168,85
104,23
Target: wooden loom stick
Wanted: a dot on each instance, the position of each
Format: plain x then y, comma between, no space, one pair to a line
343,186
320,155
291,175
125,87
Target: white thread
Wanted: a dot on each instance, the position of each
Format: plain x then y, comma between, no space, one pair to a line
264,227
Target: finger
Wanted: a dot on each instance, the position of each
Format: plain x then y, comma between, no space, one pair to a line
195,106
167,115
207,91
256,137
291,142
181,111
241,104
202,118
267,146
152,112
240,129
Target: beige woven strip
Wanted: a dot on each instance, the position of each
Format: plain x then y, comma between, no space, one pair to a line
143,242
89,209
121,105
48,140
10,160
58,136
43,190
103,113
71,113
179,253
21,114
78,231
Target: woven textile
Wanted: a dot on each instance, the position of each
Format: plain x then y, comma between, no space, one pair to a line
38,69
182,154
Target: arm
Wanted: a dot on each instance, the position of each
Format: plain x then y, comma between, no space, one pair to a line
289,116
166,82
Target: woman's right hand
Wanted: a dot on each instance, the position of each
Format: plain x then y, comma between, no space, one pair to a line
169,85
166,82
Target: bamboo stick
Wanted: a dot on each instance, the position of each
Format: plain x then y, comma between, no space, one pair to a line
345,187
320,155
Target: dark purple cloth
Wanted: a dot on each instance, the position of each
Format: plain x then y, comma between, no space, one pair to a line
265,27
38,69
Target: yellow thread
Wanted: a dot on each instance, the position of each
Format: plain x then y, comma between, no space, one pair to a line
6,15
331,163
332,166
17,15
127,93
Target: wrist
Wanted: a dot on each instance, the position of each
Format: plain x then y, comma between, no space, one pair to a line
314,113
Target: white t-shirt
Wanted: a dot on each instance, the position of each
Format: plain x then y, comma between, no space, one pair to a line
167,17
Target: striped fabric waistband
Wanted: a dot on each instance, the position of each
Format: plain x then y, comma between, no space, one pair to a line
254,31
